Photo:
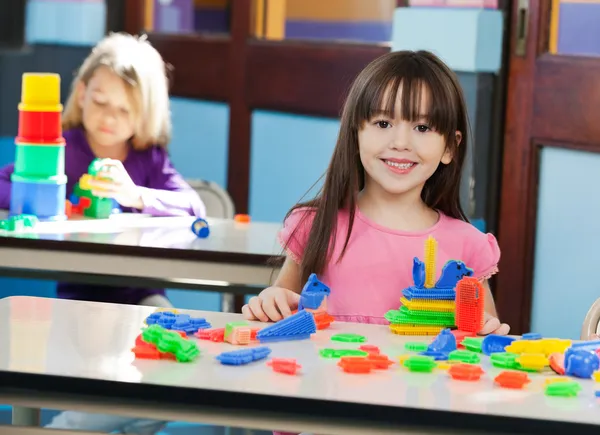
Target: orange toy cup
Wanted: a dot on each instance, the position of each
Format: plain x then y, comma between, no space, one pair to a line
40,128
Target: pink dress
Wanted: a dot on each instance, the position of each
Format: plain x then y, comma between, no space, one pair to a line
377,265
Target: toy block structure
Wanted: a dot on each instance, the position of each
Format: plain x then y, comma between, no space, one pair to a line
90,205
428,307
38,183
298,326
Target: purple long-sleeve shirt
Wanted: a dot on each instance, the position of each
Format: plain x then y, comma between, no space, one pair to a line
164,193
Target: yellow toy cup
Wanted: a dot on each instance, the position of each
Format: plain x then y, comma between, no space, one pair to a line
40,92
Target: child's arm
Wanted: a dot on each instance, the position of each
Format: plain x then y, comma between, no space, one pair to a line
492,324
5,174
278,301
490,305
167,193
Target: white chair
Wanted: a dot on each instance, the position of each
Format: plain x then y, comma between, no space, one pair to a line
591,323
216,199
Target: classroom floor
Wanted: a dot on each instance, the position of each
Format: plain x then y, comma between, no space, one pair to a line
172,429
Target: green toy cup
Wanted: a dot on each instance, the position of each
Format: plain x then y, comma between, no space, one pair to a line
39,161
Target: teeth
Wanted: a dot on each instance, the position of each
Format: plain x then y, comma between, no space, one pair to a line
399,165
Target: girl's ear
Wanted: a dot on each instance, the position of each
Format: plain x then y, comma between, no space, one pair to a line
458,136
447,157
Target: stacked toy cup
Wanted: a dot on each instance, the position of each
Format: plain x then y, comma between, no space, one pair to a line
39,180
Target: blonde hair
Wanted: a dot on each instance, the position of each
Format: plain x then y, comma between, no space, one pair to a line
144,71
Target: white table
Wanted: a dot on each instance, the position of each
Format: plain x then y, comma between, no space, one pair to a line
138,250
76,355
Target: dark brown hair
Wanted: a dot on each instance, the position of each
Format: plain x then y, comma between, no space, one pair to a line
416,72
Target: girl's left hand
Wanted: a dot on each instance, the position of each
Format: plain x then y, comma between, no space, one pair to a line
114,182
493,326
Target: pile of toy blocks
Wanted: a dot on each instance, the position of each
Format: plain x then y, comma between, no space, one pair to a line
84,202
428,306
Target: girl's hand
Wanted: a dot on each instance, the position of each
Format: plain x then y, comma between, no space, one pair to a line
114,182
272,304
493,326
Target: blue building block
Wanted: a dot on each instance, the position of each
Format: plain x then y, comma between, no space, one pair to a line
442,294
177,322
418,273
44,200
452,272
467,39
296,327
243,356
495,343
313,293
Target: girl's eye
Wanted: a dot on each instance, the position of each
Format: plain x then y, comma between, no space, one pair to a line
422,128
382,124
99,103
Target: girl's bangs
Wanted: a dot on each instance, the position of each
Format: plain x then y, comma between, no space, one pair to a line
418,94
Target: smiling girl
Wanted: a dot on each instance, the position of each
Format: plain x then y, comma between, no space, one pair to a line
392,182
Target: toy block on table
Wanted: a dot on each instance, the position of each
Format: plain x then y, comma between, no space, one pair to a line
178,322
18,223
238,333
470,302
298,326
243,356
96,206
287,366
38,182
168,342
313,294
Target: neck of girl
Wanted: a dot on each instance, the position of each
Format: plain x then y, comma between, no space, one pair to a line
403,211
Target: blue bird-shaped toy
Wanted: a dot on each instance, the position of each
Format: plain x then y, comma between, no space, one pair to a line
313,293
418,273
452,272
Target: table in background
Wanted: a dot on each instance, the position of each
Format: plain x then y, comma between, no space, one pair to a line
143,251
76,355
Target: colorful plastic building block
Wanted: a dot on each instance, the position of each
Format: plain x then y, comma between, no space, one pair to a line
287,366
352,364
419,363
217,335
167,341
581,362
339,353
370,349
452,272
313,293
323,320
179,322
563,389
515,380
465,372
243,356
298,326
349,338
18,223
470,297
495,343
38,183
200,228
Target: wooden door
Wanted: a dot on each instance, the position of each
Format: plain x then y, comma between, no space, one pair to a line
553,100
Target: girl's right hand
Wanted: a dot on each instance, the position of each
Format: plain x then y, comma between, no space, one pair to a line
272,304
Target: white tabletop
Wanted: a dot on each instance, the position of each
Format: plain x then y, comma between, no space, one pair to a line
94,341
159,251
256,238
